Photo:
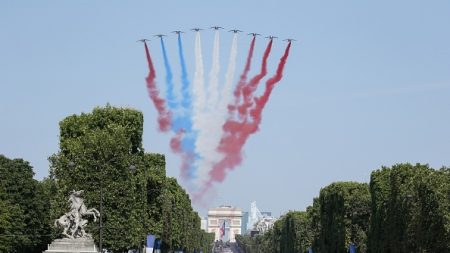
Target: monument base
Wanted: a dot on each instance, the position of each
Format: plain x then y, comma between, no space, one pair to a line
78,245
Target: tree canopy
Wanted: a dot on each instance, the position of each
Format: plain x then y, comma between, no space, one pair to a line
101,152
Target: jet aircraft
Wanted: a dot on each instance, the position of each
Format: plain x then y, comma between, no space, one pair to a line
142,40
290,40
216,27
271,37
160,35
235,31
254,34
177,32
196,29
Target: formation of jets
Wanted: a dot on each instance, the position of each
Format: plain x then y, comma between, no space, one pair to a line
196,29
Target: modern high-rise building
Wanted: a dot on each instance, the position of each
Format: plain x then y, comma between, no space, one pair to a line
225,222
244,229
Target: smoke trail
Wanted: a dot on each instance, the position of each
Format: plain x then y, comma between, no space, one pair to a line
229,76
183,142
199,83
169,81
249,88
270,84
243,78
164,116
238,132
184,118
199,98
213,88
216,114
186,96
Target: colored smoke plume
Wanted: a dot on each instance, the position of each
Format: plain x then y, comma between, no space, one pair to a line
243,78
164,116
237,133
250,87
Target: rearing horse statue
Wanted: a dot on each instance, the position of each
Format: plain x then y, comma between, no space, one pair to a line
73,220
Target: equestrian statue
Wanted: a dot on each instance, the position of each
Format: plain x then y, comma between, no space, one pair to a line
72,222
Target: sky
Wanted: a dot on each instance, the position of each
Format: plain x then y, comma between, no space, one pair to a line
366,85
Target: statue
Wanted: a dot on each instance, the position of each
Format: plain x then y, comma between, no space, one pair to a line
73,221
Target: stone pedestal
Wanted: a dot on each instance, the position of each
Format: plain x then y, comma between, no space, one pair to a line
79,245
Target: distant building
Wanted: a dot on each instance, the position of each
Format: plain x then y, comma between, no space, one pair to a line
204,224
258,221
244,223
245,216
225,222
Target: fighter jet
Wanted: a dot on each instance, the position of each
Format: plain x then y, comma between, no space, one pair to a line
216,27
160,35
289,40
235,31
271,37
177,32
142,40
196,29
254,34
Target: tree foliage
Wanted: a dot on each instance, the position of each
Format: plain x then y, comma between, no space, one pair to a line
411,209
404,209
344,216
290,233
101,152
24,208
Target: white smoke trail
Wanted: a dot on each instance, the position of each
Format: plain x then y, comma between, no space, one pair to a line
199,83
198,94
213,88
216,116
226,95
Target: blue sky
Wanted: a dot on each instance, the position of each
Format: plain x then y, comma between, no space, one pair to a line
366,85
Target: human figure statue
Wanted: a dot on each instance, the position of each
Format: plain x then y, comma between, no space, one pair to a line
73,221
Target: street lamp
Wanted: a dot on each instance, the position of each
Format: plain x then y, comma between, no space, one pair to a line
72,164
133,169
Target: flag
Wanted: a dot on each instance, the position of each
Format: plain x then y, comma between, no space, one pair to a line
352,248
150,243
222,229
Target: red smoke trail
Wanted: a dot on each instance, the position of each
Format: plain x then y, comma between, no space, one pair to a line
164,116
270,84
186,158
237,133
243,79
250,87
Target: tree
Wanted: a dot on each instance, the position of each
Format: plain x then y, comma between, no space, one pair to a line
410,207
344,216
101,152
24,209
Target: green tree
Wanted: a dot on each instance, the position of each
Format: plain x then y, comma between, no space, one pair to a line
410,209
344,217
24,208
103,150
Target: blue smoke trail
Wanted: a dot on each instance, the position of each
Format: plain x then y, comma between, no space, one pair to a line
186,96
169,82
188,141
